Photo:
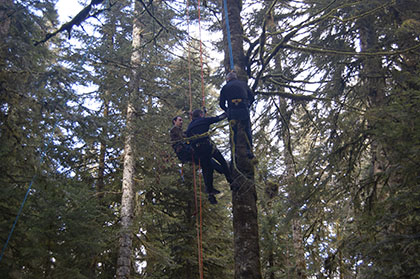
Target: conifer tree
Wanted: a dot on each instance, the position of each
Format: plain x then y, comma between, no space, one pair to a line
244,200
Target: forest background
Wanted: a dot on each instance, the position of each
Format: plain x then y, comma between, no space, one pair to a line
335,128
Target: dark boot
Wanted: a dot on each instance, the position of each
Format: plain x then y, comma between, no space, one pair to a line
213,192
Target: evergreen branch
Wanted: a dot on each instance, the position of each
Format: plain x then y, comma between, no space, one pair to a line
155,36
350,53
287,132
77,20
365,13
294,30
151,14
273,77
296,97
305,98
286,39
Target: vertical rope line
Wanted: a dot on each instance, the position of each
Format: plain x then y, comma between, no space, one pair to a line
228,35
199,164
17,217
41,160
201,56
189,59
201,224
199,254
198,214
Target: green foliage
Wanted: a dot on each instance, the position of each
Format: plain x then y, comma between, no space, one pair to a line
345,164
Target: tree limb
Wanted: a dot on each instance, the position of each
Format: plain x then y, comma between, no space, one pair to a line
77,20
147,10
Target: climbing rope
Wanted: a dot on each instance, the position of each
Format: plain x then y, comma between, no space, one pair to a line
43,154
201,57
197,196
198,219
232,122
228,35
189,60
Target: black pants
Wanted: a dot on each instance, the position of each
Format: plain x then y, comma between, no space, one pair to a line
203,153
222,165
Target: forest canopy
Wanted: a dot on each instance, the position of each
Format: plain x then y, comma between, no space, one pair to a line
90,185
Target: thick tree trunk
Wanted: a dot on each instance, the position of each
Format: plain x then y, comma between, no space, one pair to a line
245,223
127,202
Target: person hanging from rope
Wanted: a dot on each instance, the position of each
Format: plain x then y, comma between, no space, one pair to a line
204,150
181,148
239,99
184,151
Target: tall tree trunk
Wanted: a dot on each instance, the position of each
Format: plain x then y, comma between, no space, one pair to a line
374,83
108,39
102,153
299,255
245,223
127,202
5,11
286,116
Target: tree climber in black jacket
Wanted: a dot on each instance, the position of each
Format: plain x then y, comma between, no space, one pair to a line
183,150
239,98
204,150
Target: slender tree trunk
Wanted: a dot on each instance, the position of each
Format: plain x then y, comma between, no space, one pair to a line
374,84
298,245
5,11
108,38
245,223
102,153
286,116
127,202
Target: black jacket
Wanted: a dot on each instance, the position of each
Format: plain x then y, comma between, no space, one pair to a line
235,89
201,125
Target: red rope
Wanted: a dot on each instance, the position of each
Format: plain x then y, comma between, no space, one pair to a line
198,206
201,56
189,61
201,226
198,219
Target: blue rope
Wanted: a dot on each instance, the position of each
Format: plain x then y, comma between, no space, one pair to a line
27,194
17,218
41,161
228,36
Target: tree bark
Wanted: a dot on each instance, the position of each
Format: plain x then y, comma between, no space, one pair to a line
127,202
245,221
374,84
299,254
5,11
102,154
285,118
